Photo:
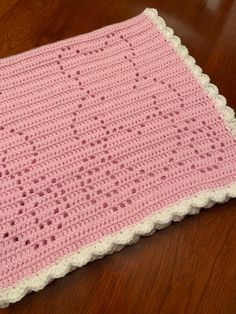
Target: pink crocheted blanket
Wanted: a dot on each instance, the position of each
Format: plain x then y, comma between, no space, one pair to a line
104,137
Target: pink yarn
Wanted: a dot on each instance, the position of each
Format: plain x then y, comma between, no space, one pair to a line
98,132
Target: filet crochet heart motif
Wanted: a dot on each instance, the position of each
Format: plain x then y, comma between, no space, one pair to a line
104,137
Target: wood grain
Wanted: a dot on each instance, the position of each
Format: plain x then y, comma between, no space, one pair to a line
189,267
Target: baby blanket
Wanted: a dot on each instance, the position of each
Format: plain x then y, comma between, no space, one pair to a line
104,137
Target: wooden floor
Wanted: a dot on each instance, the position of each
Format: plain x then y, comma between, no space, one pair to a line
189,267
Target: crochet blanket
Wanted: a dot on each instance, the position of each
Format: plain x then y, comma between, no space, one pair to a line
104,137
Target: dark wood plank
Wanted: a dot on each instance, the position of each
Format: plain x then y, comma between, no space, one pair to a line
189,267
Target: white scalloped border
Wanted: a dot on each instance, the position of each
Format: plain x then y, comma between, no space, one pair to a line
130,235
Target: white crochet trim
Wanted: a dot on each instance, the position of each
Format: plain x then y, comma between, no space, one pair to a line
159,220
